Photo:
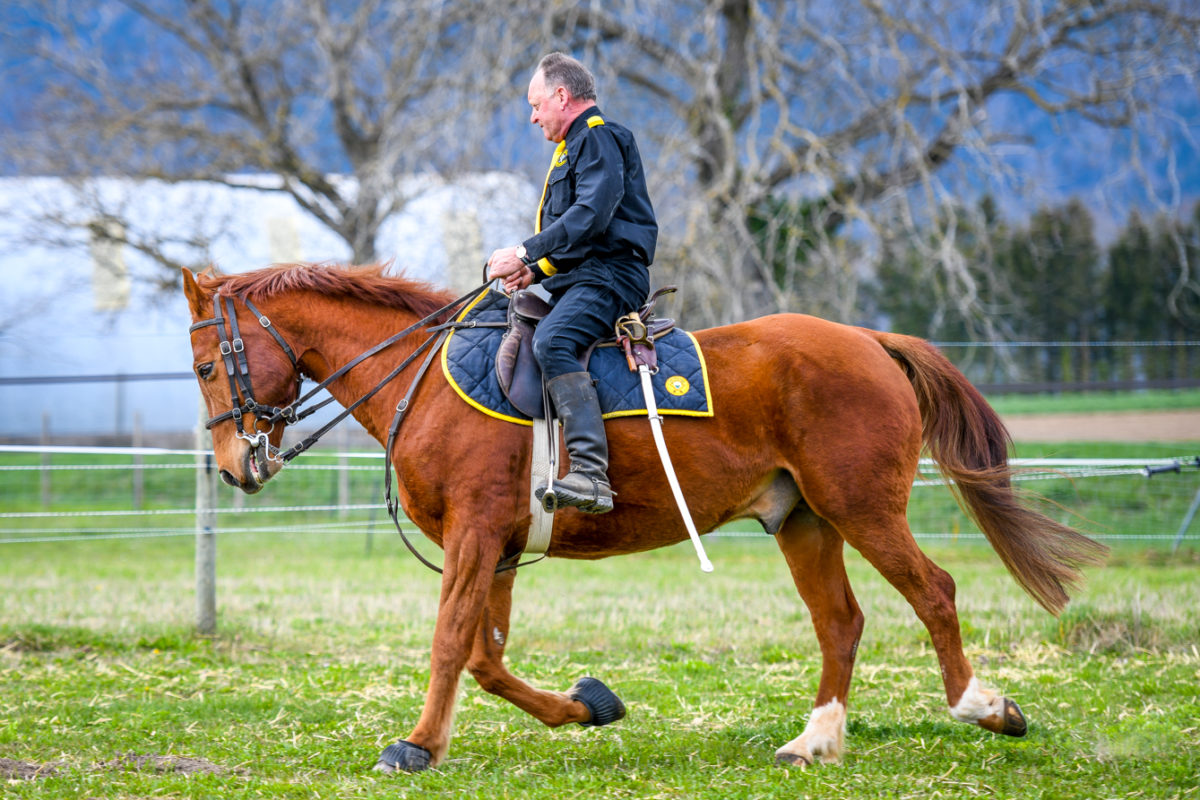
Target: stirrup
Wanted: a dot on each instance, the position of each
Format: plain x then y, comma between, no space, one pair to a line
559,495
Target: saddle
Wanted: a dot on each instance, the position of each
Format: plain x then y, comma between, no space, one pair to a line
517,370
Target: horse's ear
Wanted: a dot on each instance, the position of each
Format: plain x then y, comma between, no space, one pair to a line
197,297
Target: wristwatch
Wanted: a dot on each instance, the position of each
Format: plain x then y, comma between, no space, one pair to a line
521,254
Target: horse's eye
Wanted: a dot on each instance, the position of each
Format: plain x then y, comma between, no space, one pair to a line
205,370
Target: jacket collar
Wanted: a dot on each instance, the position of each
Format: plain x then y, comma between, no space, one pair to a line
581,122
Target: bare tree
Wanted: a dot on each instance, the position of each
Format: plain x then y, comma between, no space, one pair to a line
329,103
791,140
801,136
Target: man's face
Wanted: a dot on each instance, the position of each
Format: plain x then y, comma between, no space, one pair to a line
548,108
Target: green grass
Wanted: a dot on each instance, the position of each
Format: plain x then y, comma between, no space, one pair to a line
322,659
1087,402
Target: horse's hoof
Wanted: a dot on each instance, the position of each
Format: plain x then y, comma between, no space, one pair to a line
792,759
1014,720
1010,721
403,757
601,703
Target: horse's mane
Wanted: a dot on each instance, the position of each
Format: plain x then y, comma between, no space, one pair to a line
367,283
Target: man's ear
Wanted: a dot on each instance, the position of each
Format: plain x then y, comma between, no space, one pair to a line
197,297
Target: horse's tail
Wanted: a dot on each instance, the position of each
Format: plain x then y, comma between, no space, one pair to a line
970,444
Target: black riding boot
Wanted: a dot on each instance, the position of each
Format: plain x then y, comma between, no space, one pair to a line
586,486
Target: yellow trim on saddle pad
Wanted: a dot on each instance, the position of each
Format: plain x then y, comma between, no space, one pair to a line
641,412
445,359
633,412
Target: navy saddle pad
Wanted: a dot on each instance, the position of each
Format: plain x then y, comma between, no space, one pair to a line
680,385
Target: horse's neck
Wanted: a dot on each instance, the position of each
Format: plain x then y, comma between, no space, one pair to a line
335,332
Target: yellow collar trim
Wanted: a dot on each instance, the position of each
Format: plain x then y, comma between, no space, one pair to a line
560,153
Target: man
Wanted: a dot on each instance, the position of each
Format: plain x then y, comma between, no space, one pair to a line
593,244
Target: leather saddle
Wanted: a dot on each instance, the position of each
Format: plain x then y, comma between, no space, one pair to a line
517,370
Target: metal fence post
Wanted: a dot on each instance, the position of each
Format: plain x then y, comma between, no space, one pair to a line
206,535
1187,521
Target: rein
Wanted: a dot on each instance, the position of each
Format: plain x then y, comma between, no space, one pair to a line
233,354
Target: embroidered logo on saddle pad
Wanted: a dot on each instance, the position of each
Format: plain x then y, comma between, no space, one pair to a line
680,386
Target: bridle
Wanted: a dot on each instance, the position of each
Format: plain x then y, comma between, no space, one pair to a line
233,355
237,369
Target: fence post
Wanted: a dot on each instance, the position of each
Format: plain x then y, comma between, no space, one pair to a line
343,473
45,459
139,487
206,536
1187,521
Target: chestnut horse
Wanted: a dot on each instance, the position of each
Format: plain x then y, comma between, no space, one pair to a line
817,433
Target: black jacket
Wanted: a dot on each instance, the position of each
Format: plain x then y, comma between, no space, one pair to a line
595,203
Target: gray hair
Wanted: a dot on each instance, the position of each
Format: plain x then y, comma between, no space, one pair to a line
559,69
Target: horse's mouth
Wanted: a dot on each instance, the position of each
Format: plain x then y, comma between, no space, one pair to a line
255,466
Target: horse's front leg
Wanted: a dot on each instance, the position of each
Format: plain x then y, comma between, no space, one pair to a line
588,702
470,564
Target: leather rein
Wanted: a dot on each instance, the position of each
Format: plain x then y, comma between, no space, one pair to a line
237,368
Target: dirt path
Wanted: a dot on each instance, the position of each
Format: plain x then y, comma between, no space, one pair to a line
1113,426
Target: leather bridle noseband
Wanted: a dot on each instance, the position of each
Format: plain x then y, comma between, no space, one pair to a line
233,354
237,368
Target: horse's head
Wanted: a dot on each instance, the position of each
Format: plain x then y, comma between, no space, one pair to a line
246,373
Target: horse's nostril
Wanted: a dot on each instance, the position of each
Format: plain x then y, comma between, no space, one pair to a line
228,478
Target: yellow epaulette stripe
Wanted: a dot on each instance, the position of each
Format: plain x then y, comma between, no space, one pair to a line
594,121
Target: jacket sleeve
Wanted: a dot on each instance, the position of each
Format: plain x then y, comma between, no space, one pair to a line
599,186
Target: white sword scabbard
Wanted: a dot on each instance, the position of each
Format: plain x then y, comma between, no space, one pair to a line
661,444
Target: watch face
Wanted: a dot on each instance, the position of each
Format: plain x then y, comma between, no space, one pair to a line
521,252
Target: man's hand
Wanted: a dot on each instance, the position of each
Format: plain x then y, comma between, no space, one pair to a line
505,265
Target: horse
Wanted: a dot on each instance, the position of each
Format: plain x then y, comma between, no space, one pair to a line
817,433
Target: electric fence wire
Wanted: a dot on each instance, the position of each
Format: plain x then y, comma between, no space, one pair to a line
1026,470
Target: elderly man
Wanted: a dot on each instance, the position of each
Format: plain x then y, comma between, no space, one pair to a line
593,243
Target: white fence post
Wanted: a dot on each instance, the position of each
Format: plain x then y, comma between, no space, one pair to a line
139,486
343,473
45,459
206,535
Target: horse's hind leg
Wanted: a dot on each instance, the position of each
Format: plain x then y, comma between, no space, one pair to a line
813,551
887,543
589,702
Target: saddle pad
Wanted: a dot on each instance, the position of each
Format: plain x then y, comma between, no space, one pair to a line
680,386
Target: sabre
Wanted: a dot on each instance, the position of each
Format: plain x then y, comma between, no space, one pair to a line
661,444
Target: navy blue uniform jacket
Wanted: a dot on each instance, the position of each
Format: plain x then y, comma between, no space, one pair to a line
594,206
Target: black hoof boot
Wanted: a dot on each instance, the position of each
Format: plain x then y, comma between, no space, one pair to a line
605,707
403,757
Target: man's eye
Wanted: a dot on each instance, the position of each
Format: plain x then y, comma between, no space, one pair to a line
205,370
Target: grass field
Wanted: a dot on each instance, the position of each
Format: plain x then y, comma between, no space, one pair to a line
322,659
1085,402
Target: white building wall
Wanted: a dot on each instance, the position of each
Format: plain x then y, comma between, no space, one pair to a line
59,317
